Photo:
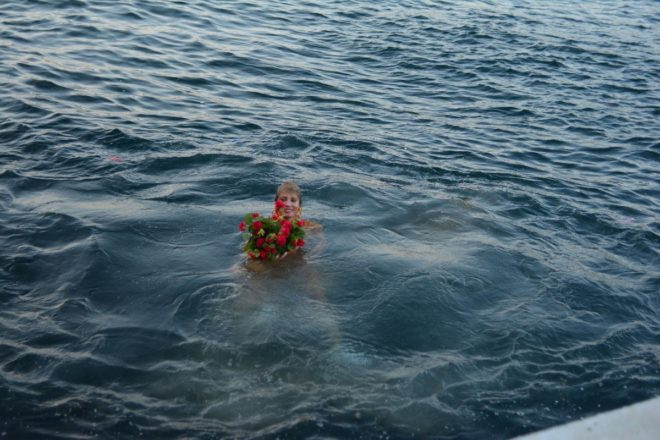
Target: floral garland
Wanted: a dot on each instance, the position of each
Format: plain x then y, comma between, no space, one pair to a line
271,237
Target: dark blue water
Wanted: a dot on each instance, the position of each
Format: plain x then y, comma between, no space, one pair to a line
487,174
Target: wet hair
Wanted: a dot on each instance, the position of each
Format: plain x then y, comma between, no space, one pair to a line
289,187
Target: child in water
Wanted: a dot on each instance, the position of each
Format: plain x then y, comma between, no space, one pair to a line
289,196
289,302
289,270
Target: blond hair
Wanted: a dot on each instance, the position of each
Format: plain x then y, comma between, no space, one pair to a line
289,187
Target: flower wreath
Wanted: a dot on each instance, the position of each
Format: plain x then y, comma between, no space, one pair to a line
271,237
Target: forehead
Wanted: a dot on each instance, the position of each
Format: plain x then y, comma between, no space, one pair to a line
288,194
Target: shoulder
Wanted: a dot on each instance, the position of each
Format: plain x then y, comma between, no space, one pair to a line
312,226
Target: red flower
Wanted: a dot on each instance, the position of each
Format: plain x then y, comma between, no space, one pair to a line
286,228
270,238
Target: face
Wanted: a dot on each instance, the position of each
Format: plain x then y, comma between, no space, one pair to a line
291,204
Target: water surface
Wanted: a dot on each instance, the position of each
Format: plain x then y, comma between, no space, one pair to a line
487,178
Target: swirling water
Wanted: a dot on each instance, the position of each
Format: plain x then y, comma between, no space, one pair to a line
487,178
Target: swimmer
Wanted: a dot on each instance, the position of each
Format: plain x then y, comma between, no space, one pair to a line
286,289
289,197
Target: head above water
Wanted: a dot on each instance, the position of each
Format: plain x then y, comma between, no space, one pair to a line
289,193
289,188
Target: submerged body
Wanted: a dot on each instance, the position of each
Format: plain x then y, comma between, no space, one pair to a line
284,300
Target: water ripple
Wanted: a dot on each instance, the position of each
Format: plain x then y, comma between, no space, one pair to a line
486,176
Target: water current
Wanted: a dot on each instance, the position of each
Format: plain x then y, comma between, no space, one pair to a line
486,172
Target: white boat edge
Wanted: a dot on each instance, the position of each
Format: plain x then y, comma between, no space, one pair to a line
639,421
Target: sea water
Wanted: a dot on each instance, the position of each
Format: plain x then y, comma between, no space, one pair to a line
486,174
